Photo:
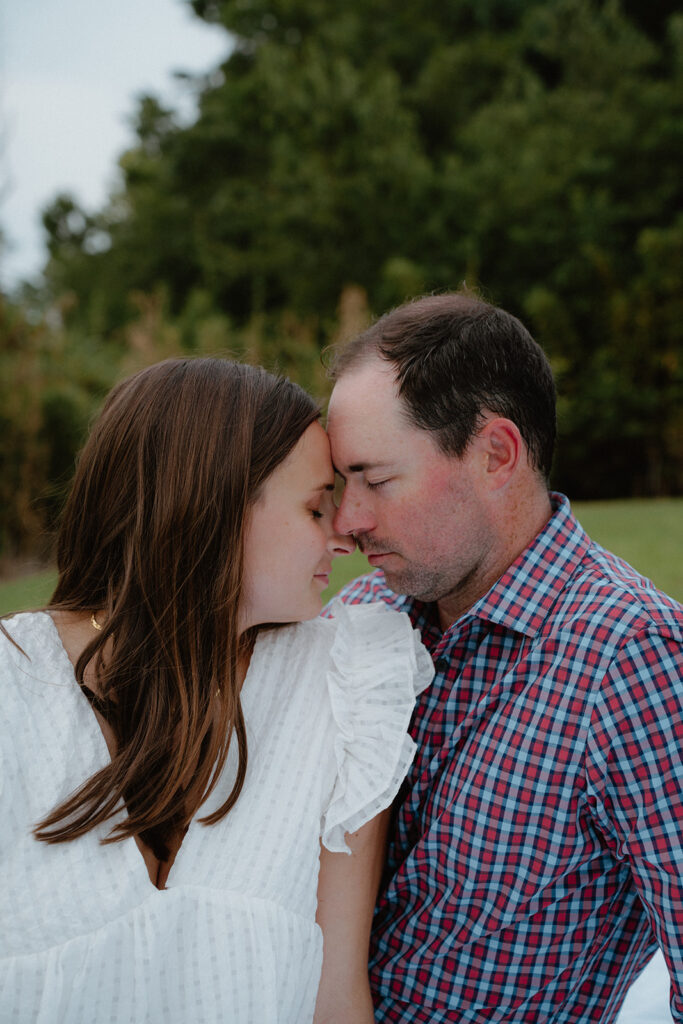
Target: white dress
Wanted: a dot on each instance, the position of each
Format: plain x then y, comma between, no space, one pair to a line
84,934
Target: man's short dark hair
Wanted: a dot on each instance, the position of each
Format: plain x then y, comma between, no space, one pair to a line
457,357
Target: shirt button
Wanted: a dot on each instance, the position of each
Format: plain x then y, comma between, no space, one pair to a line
441,664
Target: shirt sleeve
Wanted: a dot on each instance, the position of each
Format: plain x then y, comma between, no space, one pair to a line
378,667
635,782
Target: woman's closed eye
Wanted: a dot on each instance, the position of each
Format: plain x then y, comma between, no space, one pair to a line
325,507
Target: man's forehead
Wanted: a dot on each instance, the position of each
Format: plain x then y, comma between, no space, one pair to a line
365,395
367,435
358,446
361,429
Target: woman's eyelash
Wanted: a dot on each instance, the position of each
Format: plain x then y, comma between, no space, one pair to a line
375,485
316,513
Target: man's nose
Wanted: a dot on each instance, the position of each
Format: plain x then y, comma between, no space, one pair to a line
353,515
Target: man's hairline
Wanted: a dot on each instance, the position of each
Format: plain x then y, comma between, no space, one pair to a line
369,352
373,352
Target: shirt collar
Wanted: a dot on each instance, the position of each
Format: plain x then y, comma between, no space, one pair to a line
523,596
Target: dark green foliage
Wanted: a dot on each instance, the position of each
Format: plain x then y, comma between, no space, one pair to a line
50,386
532,149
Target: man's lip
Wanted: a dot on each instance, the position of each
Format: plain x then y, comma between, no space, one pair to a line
376,558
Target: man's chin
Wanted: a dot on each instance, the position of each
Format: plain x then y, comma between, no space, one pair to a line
404,578
409,585
402,583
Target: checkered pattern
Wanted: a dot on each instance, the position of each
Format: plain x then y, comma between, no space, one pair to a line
536,855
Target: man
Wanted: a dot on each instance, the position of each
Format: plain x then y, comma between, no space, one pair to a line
535,860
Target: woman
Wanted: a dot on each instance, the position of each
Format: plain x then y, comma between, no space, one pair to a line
171,756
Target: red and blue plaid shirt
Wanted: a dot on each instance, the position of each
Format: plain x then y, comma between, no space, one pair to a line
536,853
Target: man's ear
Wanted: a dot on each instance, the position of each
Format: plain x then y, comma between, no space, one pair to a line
503,448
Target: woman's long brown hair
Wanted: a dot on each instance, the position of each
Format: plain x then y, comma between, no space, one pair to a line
152,536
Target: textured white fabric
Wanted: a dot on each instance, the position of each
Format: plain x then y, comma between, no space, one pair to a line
86,937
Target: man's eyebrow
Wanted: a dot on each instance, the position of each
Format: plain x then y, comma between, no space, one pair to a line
362,467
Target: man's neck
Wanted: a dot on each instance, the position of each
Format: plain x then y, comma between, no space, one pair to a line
514,536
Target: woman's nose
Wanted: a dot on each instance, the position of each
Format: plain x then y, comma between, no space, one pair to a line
341,544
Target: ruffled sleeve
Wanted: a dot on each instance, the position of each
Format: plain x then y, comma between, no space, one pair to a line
378,667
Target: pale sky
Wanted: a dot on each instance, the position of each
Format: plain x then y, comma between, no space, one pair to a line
69,74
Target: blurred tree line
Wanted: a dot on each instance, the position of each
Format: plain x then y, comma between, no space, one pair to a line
347,157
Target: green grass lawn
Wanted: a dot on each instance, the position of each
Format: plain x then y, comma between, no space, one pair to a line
24,592
647,533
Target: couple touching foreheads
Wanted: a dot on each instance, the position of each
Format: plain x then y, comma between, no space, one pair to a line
208,788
